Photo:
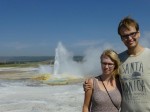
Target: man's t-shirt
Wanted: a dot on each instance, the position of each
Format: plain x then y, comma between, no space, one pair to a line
135,81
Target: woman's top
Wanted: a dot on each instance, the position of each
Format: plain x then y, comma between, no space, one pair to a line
101,102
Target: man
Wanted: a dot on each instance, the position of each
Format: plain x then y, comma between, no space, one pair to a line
134,69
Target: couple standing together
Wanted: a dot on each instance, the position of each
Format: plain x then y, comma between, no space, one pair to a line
124,84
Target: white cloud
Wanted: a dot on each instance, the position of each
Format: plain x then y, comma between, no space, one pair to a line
16,45
21,46
87,43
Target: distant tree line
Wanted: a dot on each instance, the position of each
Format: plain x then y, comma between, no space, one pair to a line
27,59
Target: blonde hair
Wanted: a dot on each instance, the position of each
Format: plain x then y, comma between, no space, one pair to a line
114,57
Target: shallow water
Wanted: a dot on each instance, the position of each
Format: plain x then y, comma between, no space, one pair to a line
24,95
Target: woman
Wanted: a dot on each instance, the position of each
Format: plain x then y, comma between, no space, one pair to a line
105,94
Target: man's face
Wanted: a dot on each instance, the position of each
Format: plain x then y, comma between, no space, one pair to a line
130,37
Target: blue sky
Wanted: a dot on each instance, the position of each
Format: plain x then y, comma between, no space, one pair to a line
34,27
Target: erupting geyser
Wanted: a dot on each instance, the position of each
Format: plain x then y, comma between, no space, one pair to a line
65,68
64,63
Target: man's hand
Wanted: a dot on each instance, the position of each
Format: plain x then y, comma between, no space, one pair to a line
86,85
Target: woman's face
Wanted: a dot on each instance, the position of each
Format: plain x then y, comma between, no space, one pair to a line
107,65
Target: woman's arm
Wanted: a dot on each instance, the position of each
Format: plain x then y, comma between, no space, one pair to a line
87,97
